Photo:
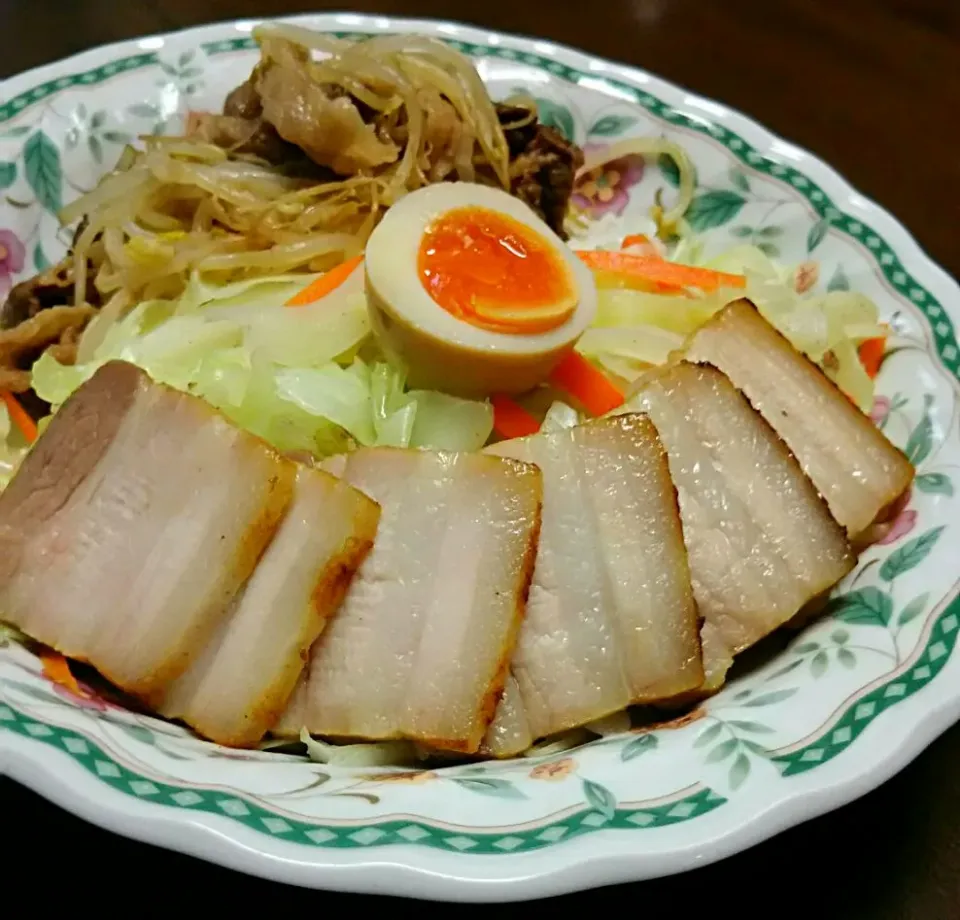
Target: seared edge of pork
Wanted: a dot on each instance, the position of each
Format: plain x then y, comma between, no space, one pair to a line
645,616
694,405
240,685
850,461
648,463
527,482
451,484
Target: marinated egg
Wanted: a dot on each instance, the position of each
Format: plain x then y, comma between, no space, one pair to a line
472,292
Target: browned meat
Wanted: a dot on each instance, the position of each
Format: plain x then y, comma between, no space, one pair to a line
251,136
244,101
337,131
519,125
57,327
322,120
53,287
543,172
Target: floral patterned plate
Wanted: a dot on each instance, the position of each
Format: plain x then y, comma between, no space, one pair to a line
839,709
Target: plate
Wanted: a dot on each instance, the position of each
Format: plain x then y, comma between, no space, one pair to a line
840,708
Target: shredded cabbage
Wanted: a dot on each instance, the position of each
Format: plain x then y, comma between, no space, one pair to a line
294,377
380,754
635,330
560,416
12,447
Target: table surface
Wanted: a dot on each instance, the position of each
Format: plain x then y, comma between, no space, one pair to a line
871,86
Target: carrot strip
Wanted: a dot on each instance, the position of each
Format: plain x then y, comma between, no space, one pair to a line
641,244
19,416
57,669
587,384
659,272
510,419
325,284
871,355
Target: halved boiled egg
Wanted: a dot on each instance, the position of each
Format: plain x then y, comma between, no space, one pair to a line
472,292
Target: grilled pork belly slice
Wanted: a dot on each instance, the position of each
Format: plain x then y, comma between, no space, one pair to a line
131,525
235,691
856,469
611,618
761,540
421,644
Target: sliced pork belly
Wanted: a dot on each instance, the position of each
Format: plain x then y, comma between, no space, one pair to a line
420,646
611,618
857,470
237,688
761,541
132,524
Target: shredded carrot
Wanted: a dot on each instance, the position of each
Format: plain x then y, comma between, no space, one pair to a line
657,273
510,419
641,245
19,416
586,384
325,284
871,355
57,669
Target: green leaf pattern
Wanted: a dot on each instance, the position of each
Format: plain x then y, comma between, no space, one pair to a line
736,748
816,234
489,785
557,116
921,439
669,170
910,555
934,484
8,174
41,160
600,798
714,209
609,125
865,607
639,745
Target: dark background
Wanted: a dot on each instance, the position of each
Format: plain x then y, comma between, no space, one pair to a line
873,88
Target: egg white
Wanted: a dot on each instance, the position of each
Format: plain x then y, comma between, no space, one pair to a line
394,280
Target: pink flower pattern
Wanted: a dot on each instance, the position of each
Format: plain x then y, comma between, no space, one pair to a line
902,524
903,521
12,258
880,410
605,190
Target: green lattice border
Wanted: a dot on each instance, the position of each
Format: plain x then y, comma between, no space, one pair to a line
857,716
844,732
99,763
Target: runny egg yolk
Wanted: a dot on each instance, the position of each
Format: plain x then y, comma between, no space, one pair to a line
494,272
